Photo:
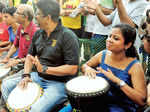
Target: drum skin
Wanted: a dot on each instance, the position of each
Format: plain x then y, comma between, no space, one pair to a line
3,72
88,101
21,100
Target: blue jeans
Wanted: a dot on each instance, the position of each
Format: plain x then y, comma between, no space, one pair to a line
54,92
67,108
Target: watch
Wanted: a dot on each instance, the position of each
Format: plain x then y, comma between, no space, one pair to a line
122,83
44,68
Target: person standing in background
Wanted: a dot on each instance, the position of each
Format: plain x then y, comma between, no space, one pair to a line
15,3
73,23
129,12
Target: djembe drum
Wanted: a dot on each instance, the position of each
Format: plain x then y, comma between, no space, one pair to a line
87,94
3,72
21,100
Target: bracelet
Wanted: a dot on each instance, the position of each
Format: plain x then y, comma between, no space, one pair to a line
122,83
25,75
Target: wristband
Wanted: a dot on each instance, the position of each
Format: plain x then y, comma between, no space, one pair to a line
25,75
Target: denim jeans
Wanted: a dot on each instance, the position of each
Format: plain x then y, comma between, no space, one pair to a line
67,108
54,92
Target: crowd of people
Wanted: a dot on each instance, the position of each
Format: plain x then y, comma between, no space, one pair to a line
41,38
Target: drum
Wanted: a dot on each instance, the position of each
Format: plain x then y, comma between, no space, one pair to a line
4,71
87,94
20,100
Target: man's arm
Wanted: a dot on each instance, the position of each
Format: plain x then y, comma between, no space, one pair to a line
57,71
12,50
5,48
4,43
103,18
106,11
62,70
28,64
124,18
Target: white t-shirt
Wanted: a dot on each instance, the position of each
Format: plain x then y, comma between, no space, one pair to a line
90,23
94,25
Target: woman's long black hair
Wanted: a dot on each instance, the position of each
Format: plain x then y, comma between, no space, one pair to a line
129,34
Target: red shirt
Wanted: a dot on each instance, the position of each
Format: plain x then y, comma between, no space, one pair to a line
4,35
23,39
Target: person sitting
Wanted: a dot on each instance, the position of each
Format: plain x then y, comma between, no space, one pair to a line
118,64
144,54
23,15
9,19
54,52
4,35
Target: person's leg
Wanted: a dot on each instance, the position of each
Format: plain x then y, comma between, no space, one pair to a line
54,94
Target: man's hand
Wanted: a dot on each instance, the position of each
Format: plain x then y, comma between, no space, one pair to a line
5,60
12,62
24,82
108,73
92,4
37,63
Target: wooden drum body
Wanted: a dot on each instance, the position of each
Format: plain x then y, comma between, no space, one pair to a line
88,95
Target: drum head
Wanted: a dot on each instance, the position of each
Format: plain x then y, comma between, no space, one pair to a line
21,99
86,85
3,71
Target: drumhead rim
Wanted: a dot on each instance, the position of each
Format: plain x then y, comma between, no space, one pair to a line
29,106
8,69
73,93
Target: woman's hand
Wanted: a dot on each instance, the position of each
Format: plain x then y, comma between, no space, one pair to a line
109,75
90,72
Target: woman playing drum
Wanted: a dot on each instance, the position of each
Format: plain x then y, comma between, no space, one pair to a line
120,67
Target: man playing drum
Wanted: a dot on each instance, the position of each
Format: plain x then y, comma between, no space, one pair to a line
53,56
23,15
